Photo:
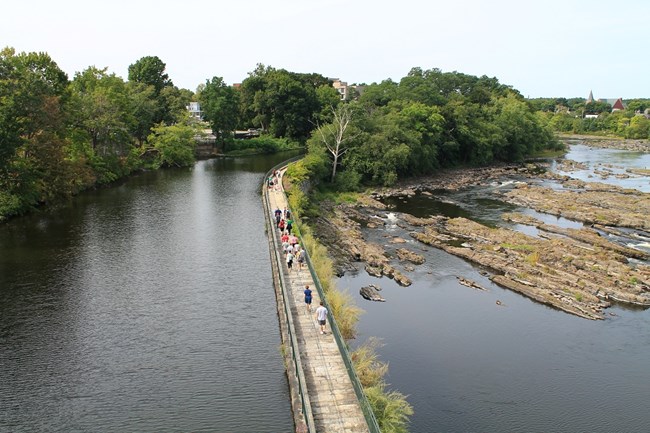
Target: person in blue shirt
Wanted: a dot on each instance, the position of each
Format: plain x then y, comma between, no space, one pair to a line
308,298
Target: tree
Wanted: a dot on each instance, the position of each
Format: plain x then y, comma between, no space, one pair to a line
597,107
639,128
150,70
173,145
333,135
143,106
33,93
220,104
286,104
101,107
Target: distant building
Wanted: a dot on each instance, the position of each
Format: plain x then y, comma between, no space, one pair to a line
346,91
195,110
616,104
341,87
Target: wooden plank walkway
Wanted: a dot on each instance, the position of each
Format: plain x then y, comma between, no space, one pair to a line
334,403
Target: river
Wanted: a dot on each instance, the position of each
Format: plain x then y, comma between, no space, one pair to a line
147,306
494,361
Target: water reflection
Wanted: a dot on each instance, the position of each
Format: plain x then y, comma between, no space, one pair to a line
144,307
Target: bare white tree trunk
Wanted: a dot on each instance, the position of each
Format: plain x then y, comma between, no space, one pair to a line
333,134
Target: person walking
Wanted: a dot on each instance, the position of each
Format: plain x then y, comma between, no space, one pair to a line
321,316
308,297
300,256
289,261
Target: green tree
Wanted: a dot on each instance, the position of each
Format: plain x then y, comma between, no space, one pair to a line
220,105
150,70
286,104
100,106
423,128
34,167
597,107
173,146
143,107
639,128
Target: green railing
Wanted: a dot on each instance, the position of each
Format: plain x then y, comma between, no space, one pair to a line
293,342
369,415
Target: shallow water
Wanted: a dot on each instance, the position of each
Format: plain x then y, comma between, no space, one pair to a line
609,159
469,364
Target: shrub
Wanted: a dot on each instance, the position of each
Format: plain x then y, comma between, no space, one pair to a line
344,311
390,407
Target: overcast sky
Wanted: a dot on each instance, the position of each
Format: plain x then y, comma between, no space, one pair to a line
542,48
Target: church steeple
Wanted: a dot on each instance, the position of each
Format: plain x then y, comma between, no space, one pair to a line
591,97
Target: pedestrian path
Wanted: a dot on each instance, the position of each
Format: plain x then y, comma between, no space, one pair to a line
334,404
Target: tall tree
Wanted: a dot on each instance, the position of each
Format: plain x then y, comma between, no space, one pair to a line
33,164
220,105
102,108
150,71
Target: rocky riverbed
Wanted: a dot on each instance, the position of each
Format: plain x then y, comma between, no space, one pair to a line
579,271
634,145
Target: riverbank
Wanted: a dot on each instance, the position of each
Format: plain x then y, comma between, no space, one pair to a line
579,271
608,142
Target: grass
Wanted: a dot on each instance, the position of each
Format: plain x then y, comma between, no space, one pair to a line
391,409
532,258
517,247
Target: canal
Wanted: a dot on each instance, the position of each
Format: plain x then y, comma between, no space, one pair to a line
147,306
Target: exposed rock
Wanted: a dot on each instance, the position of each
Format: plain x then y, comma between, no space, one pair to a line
561,271
405,255
609,142
575,270
469,283
607,206
402,279
371,293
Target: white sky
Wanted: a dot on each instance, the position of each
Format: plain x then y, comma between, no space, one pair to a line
543,48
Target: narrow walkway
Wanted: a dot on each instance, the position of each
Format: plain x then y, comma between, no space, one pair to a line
334,403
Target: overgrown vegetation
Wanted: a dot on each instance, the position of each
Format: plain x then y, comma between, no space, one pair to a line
265,144
595,118
60,136
428,121
390,407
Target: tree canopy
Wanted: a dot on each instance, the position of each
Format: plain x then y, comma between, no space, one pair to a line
431,120
58,136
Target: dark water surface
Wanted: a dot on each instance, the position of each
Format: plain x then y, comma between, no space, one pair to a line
144,307
471,365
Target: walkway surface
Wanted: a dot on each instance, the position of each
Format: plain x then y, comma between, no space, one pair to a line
334,403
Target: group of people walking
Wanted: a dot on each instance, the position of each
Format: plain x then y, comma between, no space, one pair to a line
294,254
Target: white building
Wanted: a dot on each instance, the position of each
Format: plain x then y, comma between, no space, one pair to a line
195,110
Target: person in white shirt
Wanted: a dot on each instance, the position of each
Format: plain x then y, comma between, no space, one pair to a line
321,316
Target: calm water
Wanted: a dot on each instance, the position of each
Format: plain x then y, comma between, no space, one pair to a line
144,307
470,365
